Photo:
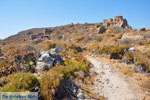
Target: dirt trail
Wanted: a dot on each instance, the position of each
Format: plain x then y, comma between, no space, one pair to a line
111,84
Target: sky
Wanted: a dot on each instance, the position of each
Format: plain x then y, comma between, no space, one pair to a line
18,15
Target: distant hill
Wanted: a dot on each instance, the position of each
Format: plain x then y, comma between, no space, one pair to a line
52,32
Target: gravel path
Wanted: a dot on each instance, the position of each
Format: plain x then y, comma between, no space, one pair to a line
110,83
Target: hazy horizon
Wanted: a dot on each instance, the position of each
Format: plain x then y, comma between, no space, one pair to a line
21,15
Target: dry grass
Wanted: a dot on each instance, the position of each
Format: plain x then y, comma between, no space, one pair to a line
56,75
126,71
20,82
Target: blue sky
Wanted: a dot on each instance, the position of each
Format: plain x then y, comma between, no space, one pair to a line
18,15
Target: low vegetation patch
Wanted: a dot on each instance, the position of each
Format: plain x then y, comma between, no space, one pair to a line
127,71
20,82
143,61
99,25
60,37
115,52
58,74
130,57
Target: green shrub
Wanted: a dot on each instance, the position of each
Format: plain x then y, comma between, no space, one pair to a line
20,82
75,51
77,34
99,25
60,37
115,52
33,42
143,60
29,67
130,56
3,63
112,49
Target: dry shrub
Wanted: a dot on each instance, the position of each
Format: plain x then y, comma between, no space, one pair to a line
90,38
20,82
94,45
130,56
142,59
57,75
126,71
78,39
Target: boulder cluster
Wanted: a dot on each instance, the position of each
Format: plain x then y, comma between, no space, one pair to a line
47,59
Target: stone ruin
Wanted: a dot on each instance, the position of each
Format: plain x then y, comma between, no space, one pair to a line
42,35
118,21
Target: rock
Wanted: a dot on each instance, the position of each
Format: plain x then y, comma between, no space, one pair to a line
80,95
18,58
131,49
54,51
147,93
2,58
38,41
45,57
78,49
32,37
73,58
92,55
133,37
114,56
83,48
44,66
140,69
29,48
91,65
125,59
102,30
57,59
148,33
47,60
93,50
142,29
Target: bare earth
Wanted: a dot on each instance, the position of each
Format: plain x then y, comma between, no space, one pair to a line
111,84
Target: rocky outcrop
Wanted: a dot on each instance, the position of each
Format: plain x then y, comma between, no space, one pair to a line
47,60
2,58
140,69
142,29
102,29
133,37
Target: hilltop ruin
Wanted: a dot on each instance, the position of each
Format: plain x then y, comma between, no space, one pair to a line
118,22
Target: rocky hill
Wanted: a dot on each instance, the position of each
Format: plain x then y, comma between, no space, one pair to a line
67,31
91,61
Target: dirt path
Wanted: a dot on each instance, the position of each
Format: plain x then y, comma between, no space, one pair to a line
111,84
